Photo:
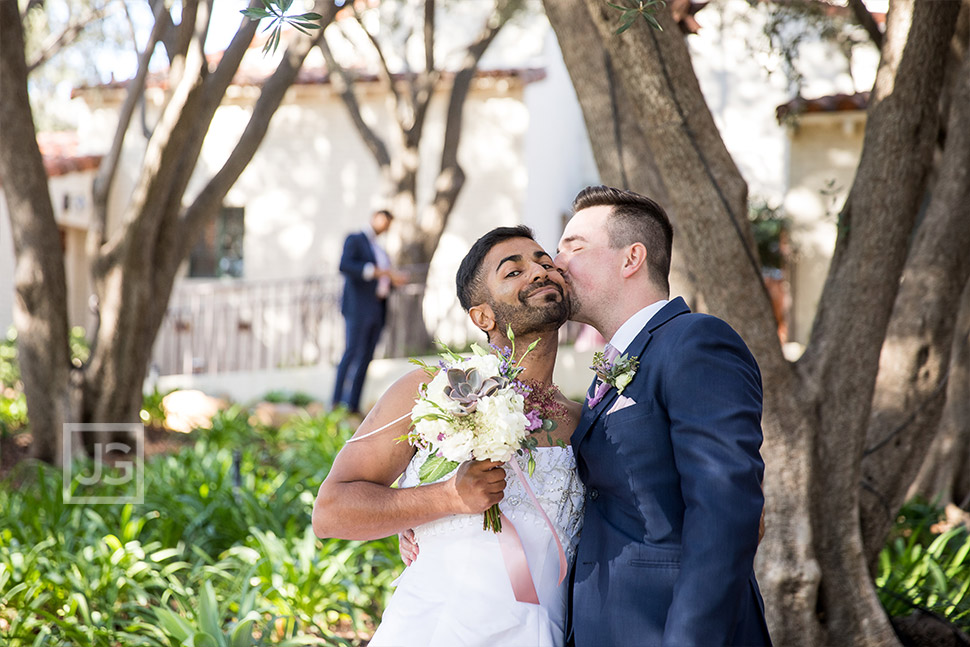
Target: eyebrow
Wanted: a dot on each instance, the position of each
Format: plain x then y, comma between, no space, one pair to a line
515,258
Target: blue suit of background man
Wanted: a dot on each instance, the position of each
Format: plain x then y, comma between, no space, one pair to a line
364,314
674,495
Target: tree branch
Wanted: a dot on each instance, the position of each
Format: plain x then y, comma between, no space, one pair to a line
145,209
867,21
344,86
429,16
109,165
270,98
903,115
451,177
385,70
423,85
915,357
66,37
213,91
186,31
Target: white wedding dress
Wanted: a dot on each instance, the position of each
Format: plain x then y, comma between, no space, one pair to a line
457,592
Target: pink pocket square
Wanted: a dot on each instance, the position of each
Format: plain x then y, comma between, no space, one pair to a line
622,402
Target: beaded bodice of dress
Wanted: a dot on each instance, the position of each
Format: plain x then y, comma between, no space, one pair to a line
555,483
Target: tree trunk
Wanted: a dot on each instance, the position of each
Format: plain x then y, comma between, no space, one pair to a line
40,310
139,263
840,365
621,150
912,386
136,263
417,230
943,475
812,564
708,196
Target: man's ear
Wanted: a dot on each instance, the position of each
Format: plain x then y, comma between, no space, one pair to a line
635,258
483,317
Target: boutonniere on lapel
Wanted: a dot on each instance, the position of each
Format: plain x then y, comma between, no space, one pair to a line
616,373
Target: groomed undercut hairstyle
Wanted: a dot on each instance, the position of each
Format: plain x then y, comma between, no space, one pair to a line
635,219
470,279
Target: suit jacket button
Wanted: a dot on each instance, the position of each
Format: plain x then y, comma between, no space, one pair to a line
593,494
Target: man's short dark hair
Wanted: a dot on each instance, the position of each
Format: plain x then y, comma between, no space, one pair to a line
384,212
635,219
469,280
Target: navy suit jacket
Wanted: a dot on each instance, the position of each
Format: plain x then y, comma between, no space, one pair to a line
674,494
360,301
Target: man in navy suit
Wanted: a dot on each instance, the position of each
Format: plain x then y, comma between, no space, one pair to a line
672,465
368,278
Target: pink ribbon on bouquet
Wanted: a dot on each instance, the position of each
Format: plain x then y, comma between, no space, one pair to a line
513,553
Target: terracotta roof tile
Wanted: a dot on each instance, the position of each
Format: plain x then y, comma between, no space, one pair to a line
59,150
829,103
317,75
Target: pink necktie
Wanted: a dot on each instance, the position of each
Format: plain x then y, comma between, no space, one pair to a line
609,354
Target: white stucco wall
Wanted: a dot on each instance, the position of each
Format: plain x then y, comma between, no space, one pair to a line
824,153
743,83
525,150
71,199
557,149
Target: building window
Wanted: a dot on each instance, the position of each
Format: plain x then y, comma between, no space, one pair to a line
219,252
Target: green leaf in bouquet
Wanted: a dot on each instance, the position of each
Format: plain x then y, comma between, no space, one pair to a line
434,416
434,468
447,353
430,370
478,350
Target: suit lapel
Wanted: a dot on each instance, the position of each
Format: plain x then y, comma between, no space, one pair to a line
636,349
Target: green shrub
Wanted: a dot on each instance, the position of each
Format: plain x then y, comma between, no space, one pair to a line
921,567
13,404
152,413
9,369
221,552
297,398
13,411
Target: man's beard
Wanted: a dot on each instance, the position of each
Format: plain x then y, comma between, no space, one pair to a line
526,318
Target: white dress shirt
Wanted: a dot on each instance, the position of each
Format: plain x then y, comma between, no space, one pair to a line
626,333
383,262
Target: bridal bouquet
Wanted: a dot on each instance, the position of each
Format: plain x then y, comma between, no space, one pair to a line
477,408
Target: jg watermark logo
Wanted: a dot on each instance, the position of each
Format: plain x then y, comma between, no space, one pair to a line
115,471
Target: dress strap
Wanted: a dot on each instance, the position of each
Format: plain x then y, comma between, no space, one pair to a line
379,429
563,566
513,553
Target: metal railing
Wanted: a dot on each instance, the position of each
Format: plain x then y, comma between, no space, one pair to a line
224,325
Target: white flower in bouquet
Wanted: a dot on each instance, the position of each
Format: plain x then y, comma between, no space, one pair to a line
473,408
503,424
